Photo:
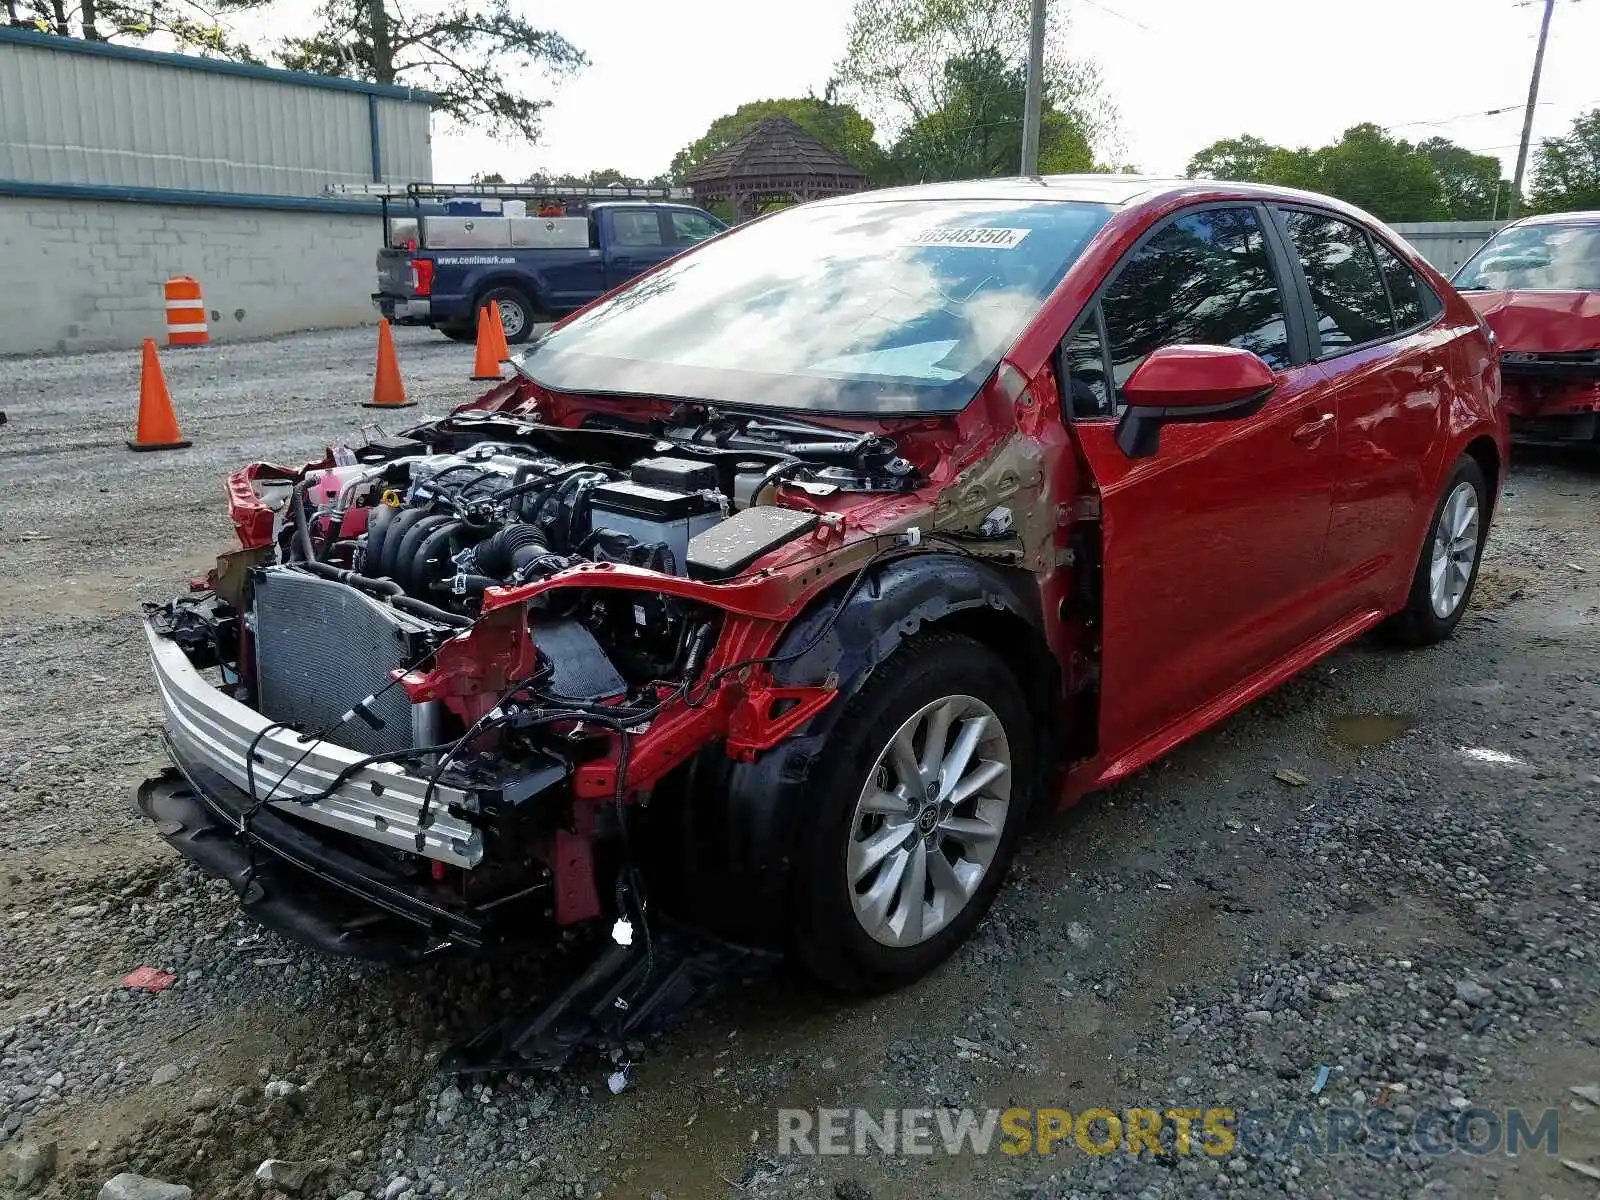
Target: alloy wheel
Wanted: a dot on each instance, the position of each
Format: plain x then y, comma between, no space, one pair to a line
1455,550
512,318
929,820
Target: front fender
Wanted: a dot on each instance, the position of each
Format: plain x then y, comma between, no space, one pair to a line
892,604
740,820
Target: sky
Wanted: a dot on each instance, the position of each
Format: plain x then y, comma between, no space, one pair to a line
1182,74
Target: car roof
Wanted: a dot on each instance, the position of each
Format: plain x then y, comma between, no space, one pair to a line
1563,218
597,204
1116,190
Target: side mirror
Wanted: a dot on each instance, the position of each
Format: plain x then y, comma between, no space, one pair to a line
1189,383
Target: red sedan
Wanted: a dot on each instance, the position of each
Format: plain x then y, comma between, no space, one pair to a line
1537,285
785,579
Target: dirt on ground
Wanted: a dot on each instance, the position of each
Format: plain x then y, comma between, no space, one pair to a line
1374,892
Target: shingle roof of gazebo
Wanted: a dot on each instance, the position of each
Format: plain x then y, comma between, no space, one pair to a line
774,147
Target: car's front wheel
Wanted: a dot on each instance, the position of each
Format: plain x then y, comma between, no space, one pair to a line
917,800
1448,566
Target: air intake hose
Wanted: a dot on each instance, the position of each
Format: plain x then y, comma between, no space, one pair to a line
516,551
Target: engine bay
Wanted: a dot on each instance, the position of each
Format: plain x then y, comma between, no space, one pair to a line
357,570
478,501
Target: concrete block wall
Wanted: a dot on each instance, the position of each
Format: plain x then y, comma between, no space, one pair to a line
88,274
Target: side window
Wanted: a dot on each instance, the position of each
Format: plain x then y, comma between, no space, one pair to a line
1347,292
1409,296
1205,278
689,228
636,227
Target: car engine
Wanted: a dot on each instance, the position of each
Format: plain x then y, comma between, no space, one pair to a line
384,552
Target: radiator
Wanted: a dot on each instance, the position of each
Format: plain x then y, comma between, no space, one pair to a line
322,646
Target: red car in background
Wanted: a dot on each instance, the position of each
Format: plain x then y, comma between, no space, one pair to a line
1537,284
786,579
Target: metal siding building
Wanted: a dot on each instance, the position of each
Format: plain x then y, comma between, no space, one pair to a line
80,112
1447,244
120,168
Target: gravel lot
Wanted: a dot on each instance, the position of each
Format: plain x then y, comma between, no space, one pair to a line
1421,915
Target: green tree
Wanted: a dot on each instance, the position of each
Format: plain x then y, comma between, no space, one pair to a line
838,126
472,54
1566,169
1387,177
194,26
1469,184
1242,159
978,132
910,65
1299,168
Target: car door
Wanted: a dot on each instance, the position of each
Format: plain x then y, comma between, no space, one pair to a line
1374,334
1214,545
639,239
690,227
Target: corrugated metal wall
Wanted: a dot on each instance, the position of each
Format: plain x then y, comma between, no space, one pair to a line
1447,244
88,118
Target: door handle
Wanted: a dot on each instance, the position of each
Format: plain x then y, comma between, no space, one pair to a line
1312,430
1431,375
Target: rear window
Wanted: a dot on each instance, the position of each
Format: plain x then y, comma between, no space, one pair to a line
1347,289
1411,298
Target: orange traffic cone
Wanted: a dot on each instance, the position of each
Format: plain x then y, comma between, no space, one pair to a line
499,332
486,359
387,389
158,427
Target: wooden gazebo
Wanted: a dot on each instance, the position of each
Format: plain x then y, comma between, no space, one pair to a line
774,160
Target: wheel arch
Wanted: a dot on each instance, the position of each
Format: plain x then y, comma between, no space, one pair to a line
529,287
993,605
738,819
1486,454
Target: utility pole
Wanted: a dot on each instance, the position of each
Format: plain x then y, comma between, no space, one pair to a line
1533,100
1033,98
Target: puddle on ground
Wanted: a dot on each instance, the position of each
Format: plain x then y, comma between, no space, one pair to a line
1369,729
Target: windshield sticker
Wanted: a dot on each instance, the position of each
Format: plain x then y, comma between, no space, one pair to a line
978,236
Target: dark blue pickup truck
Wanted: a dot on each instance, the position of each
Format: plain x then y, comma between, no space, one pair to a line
439,270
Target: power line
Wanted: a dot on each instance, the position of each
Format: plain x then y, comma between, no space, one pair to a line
1119,16
1492,112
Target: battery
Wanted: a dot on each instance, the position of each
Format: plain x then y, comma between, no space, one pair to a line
675,474
653,515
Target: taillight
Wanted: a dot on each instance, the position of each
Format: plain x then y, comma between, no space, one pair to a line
421,276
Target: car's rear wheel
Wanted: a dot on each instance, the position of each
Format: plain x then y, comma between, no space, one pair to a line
917,800
517,313
1447,569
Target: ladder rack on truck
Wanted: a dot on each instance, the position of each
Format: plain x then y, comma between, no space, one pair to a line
536,199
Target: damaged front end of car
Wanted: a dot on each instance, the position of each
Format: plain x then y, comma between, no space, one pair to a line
413,710
1549,362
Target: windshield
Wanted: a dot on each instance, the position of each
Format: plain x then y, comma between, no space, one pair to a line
881,307
1537,258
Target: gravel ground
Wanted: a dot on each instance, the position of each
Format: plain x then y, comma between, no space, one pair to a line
1419,915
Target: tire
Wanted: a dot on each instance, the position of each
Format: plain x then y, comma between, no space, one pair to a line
834,931
1432,615
518,315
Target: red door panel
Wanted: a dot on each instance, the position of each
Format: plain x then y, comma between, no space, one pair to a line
1214,553
1390,402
